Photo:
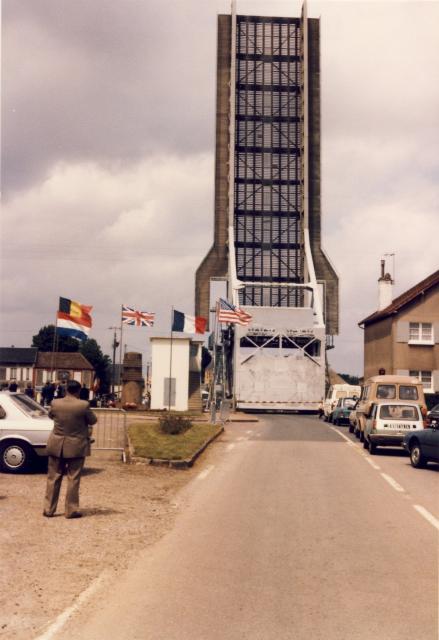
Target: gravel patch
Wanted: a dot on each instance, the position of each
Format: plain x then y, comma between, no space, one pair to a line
47,562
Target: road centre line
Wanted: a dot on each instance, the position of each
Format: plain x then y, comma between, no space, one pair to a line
427,515
393,483
248,432
348,440
372,463
342,435
230,446
205,472
65,615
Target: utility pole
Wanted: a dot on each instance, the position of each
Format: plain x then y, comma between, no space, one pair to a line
114,345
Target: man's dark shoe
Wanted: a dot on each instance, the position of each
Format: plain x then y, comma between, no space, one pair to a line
47,515
75,514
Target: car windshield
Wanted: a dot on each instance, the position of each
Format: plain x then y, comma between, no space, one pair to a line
386,391
349,403
28,405
408,392
399,412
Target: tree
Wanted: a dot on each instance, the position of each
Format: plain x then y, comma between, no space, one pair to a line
355,380
100,362
43,340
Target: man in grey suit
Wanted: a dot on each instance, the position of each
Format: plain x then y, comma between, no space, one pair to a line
67,446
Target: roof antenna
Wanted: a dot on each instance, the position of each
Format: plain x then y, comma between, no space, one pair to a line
392,255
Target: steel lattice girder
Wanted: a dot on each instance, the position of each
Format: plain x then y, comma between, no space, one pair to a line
268,198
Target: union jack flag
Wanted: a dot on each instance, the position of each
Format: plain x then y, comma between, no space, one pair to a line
137,318
227,312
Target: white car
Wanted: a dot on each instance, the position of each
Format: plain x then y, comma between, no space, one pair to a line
389,422
24,429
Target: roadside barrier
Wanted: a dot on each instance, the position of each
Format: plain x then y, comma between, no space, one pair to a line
224,411
110,432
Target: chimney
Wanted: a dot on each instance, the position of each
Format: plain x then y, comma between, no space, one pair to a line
385,288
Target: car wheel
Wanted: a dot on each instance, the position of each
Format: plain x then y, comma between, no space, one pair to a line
365,443
335,422
361,436
351,428
372,448
15,457
416,458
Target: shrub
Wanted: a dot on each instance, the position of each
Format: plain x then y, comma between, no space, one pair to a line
174,425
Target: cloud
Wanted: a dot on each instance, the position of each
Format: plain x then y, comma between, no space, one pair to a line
104,81
108,143
131,235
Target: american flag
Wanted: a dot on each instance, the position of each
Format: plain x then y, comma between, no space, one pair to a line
137,318
227,312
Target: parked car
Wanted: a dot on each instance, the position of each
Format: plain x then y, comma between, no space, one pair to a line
423,446
342,411
387,388
353,417
24,429
433,414
388,422
335,392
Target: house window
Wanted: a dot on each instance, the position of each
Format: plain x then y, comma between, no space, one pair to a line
13,373
421,332
425,377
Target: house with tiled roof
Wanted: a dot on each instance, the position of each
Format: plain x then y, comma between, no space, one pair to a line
402,336
63,366
16,365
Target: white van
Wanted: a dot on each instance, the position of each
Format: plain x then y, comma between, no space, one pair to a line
335,392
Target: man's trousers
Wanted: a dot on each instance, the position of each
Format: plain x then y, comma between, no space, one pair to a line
56,469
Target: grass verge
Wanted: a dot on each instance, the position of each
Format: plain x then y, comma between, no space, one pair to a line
148,441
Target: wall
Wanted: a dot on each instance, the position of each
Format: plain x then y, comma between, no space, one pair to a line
386,341
215,263
160,348
418,357
378,348
323,268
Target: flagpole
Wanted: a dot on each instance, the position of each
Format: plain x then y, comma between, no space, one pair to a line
170,362
53,347
215,333
120,353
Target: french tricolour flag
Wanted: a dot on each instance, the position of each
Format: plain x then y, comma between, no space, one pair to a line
188,324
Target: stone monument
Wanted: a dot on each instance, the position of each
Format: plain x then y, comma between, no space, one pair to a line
132,380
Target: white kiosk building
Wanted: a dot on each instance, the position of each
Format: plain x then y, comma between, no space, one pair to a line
176,372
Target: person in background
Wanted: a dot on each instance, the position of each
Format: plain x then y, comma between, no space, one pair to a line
84,394
67,447
47,393
13,387
29,391
60,391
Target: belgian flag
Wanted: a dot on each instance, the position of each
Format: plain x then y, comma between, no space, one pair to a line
73,319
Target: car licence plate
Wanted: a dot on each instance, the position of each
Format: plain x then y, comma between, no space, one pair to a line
397,427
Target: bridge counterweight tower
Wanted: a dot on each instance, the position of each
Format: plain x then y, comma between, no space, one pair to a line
276,268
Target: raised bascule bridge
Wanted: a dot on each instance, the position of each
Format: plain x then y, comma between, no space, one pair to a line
267,256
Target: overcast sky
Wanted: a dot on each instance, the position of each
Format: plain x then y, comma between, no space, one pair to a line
108,145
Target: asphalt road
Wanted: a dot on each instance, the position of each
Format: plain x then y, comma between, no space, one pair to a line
290,531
